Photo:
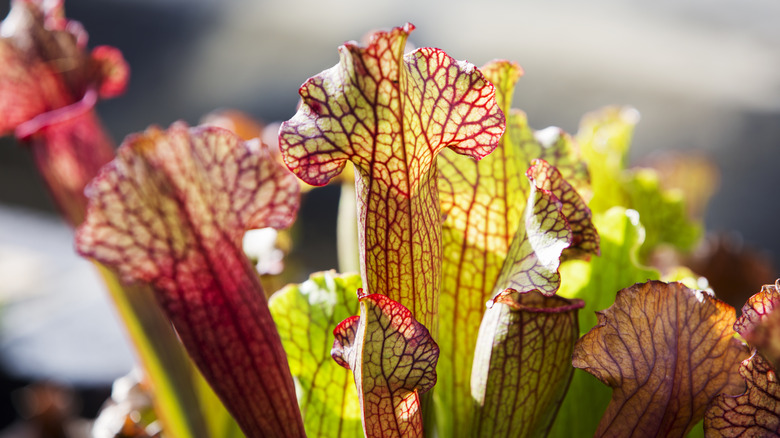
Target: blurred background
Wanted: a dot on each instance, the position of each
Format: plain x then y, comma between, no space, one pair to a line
705,76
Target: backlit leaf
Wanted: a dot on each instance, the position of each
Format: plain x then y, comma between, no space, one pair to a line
483,206
171,210
512,341
585,238
305,315
756,413
666,351
596,282
693,174
393,361
605,137
759,324
535,252
523,364
663,212
391,114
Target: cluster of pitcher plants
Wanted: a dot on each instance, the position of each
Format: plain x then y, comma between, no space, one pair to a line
501,268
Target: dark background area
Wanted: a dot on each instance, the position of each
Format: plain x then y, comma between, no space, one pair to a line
705,75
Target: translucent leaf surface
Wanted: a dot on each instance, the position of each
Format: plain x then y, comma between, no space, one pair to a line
167,367
756,413
663,212
585,238
393,360
666,351
523,365
535,252
596,282
170,210
483,206
759,324
695,175
605,137
391,114
305,315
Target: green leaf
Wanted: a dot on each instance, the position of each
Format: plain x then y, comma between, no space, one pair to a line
390,114
522,363
662,212
535,252
219,422
596,282
483,206
393,361
522,360
170,372
605,138
585,238
556,220
667,351
305,315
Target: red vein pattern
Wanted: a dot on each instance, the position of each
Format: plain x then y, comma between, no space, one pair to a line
391,114
756,413
667,351
49,85
585,238
305,315
483,205
535,253
522,370
759,324
170,210
393,360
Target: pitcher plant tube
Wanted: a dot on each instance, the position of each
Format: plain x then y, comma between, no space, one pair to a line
480,242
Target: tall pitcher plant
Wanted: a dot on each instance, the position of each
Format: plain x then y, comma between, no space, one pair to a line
478,249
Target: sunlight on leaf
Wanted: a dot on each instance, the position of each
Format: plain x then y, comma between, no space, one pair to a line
534,255
666,351
305,315
171,210
523,363
52,110
585,238
596,282
759,324
483,206
662,212
605,137
393,361
391,114
756,413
